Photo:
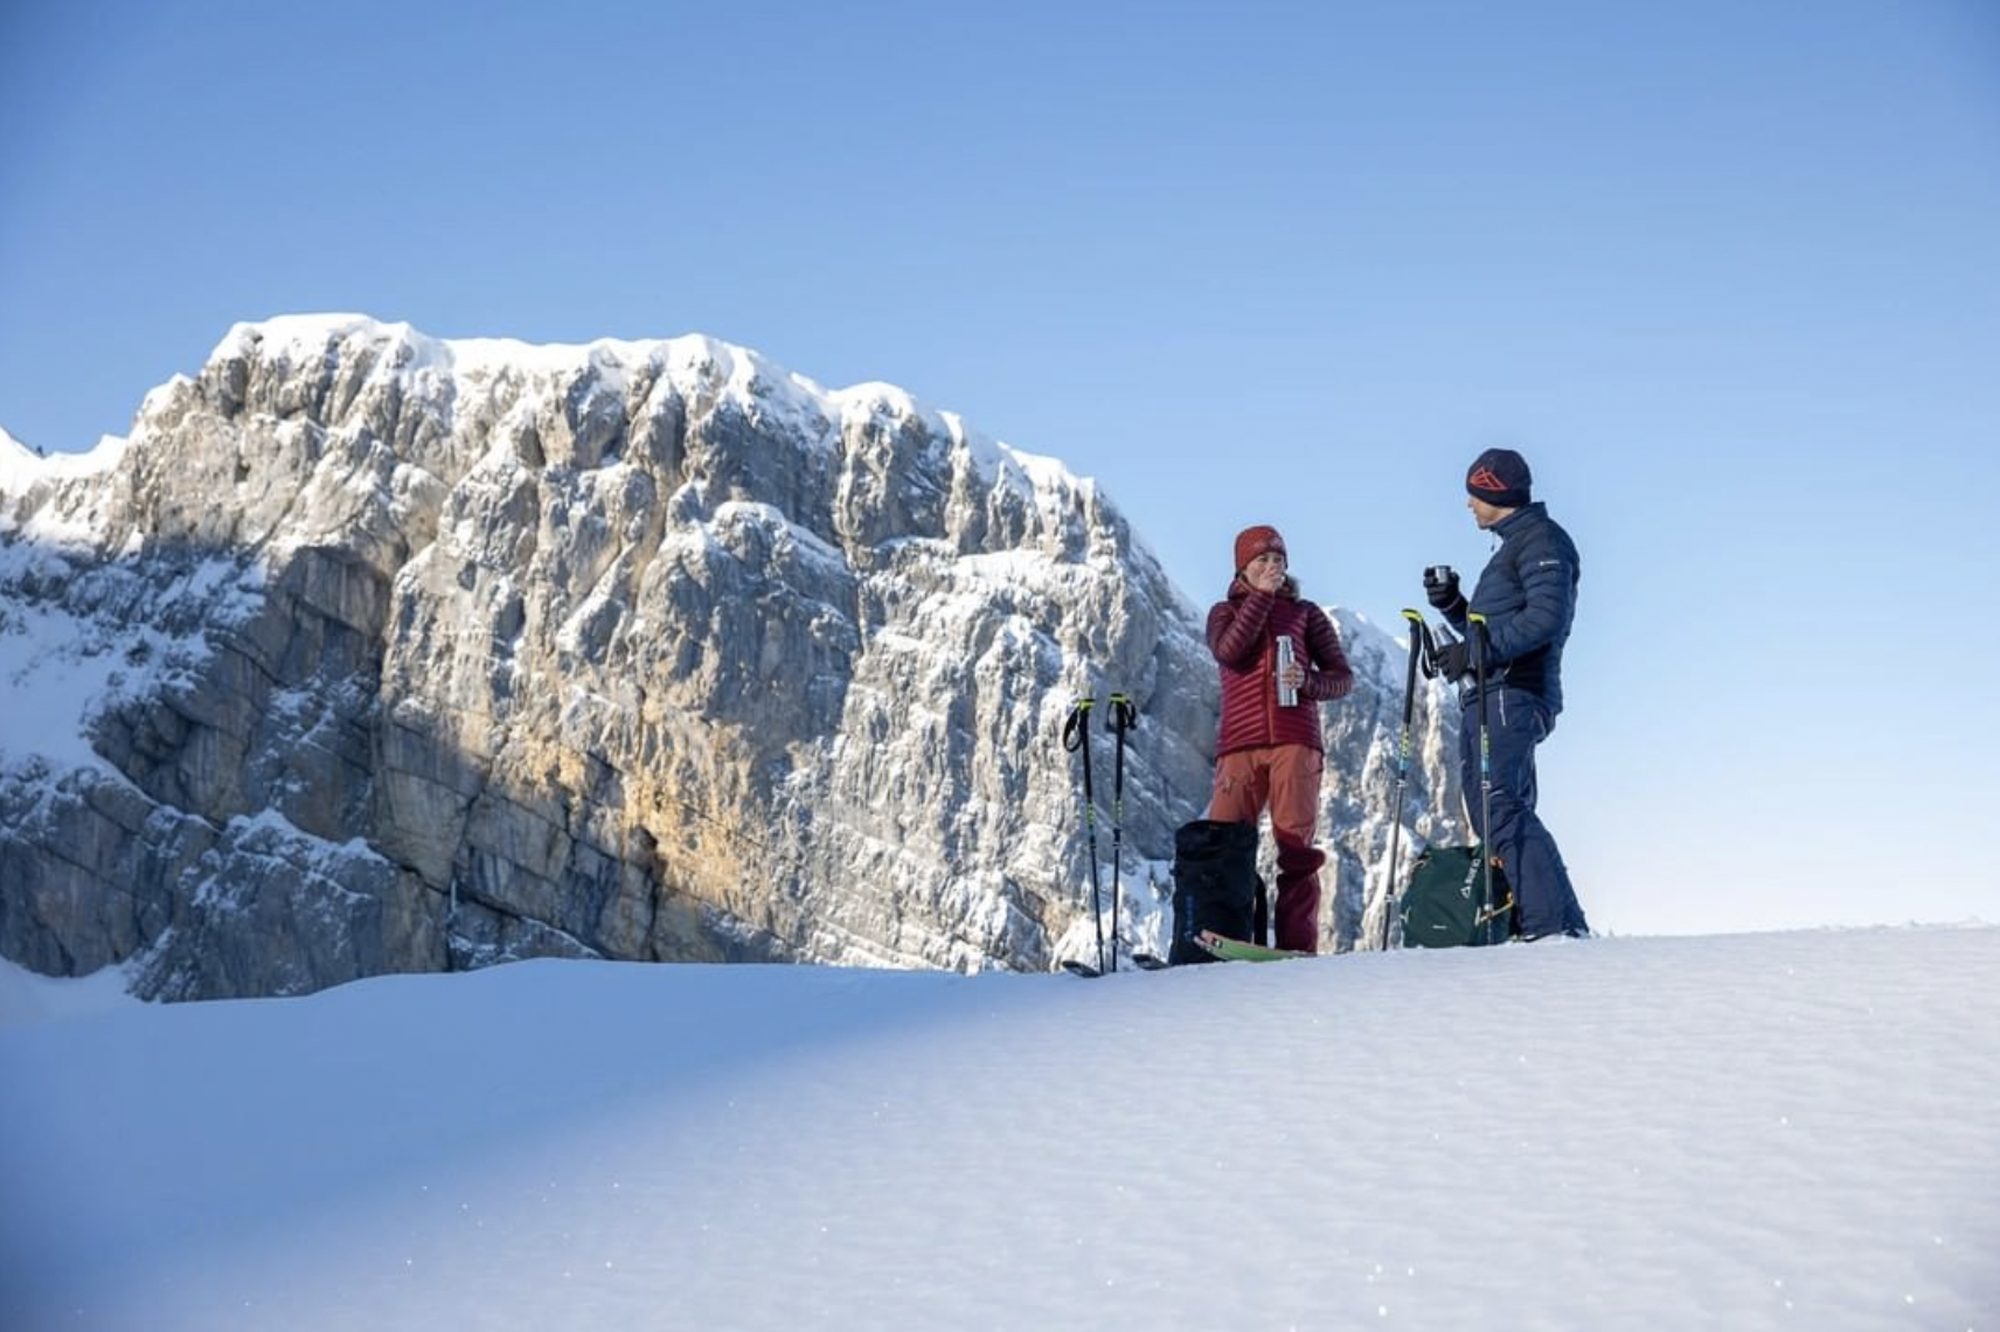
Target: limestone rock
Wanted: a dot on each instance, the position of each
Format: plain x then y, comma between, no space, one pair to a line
372,652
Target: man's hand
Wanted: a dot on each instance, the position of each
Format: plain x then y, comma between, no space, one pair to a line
1454,660
1441,588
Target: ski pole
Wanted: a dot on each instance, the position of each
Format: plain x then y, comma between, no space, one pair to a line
1417,657
1124,716
1477,625
1076,736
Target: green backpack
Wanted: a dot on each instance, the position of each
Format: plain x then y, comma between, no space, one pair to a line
1442,907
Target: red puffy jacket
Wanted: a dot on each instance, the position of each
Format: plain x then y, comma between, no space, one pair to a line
1243,633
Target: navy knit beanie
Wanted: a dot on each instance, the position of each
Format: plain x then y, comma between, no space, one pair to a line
1501,478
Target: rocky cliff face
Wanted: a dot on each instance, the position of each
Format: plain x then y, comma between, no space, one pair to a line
371,652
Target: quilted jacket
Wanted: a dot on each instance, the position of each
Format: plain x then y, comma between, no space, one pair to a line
1243,633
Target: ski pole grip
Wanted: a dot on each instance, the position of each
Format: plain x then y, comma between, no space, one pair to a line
1124,713
1423,648
1076,727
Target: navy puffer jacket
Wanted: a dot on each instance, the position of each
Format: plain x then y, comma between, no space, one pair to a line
1527,592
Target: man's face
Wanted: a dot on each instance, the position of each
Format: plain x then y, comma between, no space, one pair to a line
1483,513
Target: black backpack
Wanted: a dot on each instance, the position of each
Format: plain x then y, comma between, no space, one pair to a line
1443,906
1216,886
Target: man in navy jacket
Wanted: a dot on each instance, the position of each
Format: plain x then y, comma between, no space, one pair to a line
1527,592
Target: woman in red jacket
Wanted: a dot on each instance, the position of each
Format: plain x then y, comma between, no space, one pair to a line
1268,751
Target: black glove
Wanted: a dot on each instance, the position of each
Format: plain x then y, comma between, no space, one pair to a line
1454,660
1441,589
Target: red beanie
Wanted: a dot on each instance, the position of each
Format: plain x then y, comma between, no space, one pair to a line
1254,541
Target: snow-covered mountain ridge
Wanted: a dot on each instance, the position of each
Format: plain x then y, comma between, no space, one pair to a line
368,651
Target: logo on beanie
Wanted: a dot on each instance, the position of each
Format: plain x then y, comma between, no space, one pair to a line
1500,477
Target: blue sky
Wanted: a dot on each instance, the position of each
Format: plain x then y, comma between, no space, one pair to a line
1728,274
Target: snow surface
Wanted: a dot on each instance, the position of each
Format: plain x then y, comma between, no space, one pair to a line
23,472
26,997
21,467
52,676
58,670
1755,1131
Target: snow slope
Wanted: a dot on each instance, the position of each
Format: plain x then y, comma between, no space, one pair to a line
1756,1131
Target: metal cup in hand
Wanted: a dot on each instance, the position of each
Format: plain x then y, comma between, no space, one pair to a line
1288,696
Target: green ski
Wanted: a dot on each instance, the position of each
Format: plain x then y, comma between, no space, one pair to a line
1236,950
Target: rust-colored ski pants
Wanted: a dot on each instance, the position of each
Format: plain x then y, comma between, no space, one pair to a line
1284,778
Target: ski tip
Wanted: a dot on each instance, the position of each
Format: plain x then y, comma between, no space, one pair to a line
1223,947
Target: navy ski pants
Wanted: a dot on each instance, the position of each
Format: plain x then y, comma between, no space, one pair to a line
1516,722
